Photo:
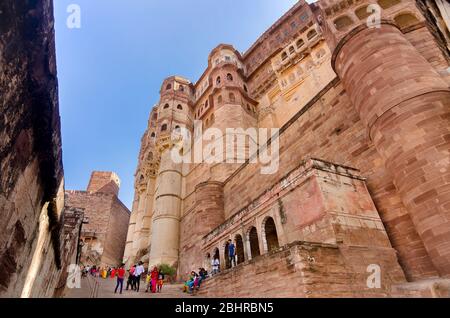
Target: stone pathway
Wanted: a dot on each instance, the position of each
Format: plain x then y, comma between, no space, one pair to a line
106,290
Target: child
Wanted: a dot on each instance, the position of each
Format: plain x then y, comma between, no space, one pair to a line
148,281
160,280
187,283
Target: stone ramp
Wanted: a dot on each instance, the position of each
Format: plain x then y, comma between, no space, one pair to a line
106,290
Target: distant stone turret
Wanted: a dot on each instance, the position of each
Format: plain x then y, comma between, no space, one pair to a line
104,182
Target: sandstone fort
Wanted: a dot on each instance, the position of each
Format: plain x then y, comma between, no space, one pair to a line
360,102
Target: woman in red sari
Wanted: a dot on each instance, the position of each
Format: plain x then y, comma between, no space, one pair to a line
154,278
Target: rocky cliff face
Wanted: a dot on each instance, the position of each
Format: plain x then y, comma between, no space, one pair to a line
31,171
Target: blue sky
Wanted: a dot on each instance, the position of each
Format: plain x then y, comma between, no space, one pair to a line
110,70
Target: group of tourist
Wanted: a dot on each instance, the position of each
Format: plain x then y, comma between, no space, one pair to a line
194,281
134,276
154,278
96,271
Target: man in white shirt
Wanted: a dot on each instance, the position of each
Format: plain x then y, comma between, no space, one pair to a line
216,266
137,275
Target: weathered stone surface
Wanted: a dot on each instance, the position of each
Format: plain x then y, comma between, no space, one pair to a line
31,178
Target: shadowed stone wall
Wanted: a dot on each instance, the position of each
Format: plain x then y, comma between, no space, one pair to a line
31,177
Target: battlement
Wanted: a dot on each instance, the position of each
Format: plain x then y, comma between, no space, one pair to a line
104,182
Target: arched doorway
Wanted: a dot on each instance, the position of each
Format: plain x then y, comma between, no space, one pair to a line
239,249
271,235
254,243
217,256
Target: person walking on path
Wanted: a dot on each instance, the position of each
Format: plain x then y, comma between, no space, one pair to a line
120,277
154,278
130,281
137,275
160,280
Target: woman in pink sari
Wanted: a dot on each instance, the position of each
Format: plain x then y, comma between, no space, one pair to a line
154,278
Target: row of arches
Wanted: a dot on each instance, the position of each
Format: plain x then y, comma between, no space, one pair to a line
180,87
248,247
231,99
229,78
403,19
299,44
164,128
179,106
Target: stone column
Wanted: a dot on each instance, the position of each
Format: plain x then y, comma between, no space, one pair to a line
223,261
405,106
128,256
166,219
248,247
147,215
138,225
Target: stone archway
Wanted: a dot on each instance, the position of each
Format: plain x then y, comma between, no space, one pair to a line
254,242
240,254
217,255
270,235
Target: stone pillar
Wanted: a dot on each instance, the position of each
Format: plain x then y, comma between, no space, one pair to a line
248,247
147,215
223,261
166,219
138,225
405,106
128,255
